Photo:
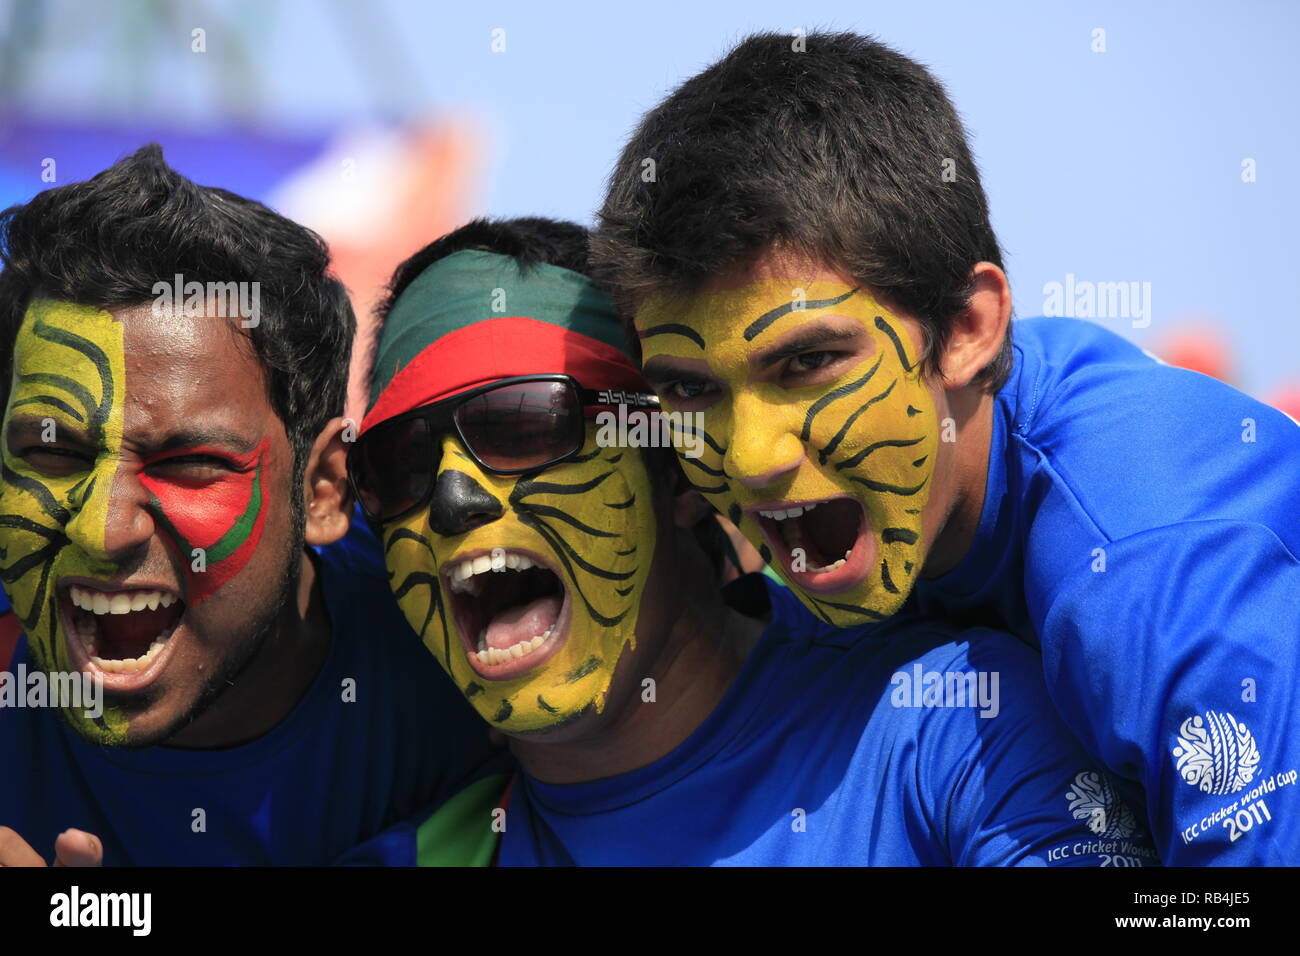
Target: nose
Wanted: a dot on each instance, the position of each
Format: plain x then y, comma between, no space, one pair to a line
762,449
110,514
460,504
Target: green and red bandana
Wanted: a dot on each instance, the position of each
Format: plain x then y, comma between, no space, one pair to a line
476,317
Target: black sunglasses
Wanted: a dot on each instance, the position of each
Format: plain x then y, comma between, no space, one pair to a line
510,427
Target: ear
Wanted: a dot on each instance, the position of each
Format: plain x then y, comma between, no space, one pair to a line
979,329
327,494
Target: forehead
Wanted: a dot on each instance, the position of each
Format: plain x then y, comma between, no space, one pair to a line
163,368
737,319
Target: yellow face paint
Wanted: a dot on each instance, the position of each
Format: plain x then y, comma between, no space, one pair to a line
68,377
591,521
811,393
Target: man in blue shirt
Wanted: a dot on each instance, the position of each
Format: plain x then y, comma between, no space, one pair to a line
812,272
203,676
545,546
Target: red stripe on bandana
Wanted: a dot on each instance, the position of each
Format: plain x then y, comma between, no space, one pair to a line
494,349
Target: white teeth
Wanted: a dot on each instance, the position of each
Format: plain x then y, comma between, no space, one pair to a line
834,565
118,602
460,574
499,655
98,603
781,514
130,664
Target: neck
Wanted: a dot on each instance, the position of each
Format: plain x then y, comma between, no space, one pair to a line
697,660
972,410
282,668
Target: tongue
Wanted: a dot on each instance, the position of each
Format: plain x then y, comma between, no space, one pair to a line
129,635
523,622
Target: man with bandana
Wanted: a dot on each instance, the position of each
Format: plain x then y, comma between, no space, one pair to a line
172,482
813,270
557,572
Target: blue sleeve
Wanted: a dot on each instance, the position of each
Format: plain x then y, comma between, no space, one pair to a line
1179,667
1019,790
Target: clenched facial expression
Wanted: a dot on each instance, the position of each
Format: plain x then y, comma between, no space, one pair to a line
820,434
531,604
140,458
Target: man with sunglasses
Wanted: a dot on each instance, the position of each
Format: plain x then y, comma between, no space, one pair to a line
561,582
173,485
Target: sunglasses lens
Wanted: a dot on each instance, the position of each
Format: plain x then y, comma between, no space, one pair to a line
393,467
522,426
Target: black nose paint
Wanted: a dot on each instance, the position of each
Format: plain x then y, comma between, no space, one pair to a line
461,503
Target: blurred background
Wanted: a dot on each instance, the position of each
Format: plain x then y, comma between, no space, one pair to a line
1150,144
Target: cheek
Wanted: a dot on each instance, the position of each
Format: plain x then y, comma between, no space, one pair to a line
413,579
217,528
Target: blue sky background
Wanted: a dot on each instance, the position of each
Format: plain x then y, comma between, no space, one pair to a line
1115,166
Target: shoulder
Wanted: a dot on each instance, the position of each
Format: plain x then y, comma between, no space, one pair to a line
1075,366
897,678
1135,443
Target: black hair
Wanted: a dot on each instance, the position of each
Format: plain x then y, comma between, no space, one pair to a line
833,146
107,241
531,241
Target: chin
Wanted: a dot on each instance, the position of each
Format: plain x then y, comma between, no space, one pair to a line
133,729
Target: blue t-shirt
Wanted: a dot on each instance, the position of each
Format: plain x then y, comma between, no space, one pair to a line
331,775
1142,525
860,746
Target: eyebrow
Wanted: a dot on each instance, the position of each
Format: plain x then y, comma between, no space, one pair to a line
760,324
673,328
660,369
203,439
808,340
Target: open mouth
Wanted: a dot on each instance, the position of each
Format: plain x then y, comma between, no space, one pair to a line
824,546
124,634
512,610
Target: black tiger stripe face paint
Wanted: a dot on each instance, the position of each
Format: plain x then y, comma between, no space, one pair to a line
820,432
530,606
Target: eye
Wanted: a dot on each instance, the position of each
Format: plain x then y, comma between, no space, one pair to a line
811,361
55,461
197,469
687,388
